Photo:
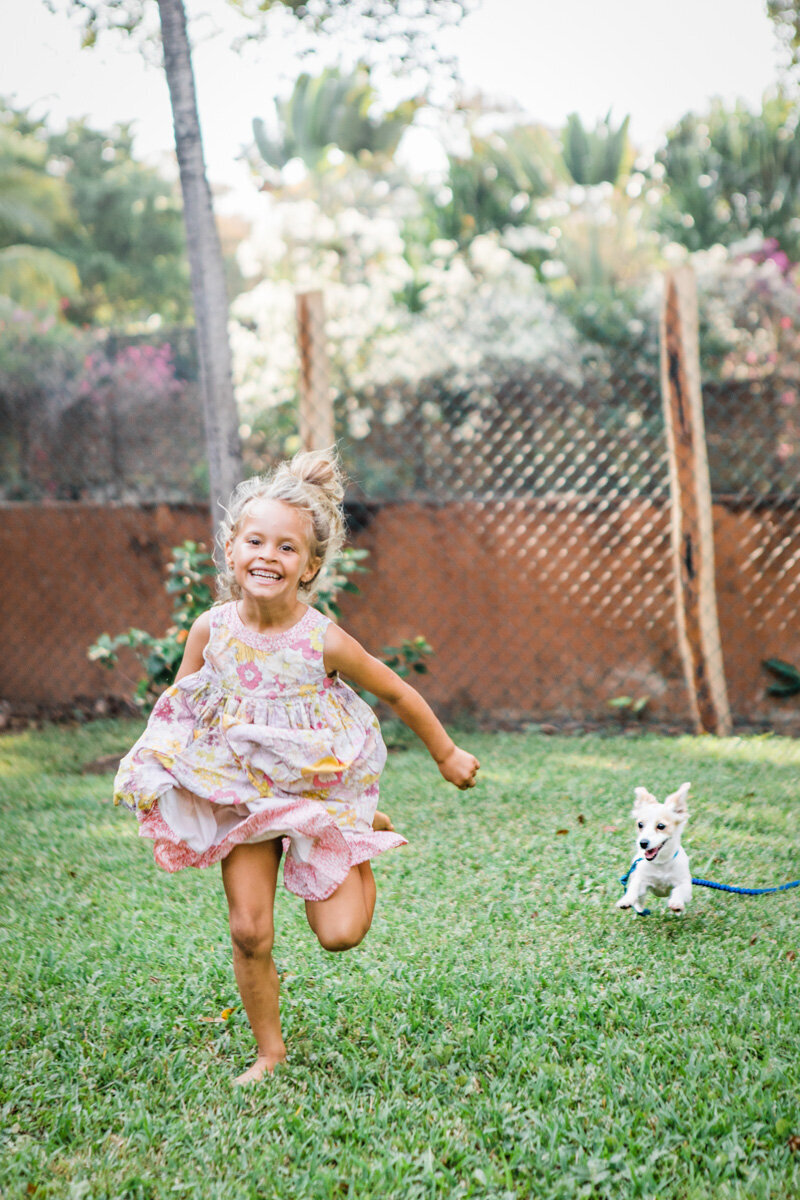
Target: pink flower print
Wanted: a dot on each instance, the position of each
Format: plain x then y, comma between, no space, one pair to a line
249,675
164,709
305,647
225,796
325,772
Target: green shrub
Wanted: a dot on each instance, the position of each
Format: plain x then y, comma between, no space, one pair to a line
190,580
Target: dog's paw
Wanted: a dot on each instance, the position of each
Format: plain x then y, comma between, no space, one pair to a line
676,908
623,903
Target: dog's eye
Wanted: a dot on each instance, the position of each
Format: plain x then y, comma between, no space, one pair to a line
640,824
661,825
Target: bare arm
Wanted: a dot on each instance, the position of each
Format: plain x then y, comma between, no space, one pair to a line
344,654
195,645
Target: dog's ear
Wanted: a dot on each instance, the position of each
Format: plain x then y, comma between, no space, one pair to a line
643,797
677,801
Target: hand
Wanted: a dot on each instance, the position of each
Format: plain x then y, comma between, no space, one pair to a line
460,768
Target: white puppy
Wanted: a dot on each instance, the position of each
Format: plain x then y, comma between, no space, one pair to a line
662,865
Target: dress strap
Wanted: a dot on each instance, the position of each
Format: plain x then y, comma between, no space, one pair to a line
216,615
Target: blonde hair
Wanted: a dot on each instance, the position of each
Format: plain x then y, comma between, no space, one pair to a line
312,482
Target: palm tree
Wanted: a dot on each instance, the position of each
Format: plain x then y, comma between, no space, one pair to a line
332,111
205,262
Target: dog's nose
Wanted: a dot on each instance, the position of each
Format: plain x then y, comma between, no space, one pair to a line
644,843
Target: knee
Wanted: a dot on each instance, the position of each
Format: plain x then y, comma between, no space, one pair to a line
343,935
251,935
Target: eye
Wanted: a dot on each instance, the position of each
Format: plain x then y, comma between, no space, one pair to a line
640,824
661,825
287,546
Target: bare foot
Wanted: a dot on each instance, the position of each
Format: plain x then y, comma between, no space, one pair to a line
265,1064
382,821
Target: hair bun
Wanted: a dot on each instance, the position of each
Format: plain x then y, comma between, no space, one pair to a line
319,468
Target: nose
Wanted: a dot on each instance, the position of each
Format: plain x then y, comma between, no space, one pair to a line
643,842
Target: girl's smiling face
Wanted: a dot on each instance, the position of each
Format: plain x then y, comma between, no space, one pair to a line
270,554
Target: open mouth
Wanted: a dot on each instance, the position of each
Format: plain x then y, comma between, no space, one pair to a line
267,576
652,852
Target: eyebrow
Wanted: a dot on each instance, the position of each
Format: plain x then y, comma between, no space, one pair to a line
282,537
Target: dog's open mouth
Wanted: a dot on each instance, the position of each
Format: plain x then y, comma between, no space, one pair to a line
652,852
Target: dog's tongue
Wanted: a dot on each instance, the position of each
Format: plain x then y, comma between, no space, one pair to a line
650,854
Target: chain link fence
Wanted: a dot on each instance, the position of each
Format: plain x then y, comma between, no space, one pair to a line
517,514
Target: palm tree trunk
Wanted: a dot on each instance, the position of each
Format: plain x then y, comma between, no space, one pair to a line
205,262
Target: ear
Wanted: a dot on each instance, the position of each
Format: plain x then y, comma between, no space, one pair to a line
311,571
643,797
228,552
677,801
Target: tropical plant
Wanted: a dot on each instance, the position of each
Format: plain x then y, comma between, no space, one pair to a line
599,155
494,187
331,111
732,172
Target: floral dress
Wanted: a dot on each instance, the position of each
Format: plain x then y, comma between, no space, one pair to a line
260,743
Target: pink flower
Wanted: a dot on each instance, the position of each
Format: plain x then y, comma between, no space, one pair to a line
785,450
788,398
249,675
786,322
326,781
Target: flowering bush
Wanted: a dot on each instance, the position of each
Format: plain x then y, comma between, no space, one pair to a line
89,414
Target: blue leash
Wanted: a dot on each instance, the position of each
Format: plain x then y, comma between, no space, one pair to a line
742,891
720,887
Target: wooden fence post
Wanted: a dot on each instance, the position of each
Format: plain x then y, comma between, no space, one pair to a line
316,404
690,489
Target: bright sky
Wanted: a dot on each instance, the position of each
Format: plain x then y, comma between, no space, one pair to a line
654,59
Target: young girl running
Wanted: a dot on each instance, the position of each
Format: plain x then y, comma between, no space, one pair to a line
260,747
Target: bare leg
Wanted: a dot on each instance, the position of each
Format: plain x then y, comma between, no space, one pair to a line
342,921
382,820
250,875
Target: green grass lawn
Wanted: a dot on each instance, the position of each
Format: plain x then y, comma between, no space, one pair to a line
502,1032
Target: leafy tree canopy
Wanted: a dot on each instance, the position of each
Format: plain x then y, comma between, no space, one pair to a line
85,227
128,241
402,33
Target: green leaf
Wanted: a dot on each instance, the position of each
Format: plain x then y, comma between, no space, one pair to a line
782,669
